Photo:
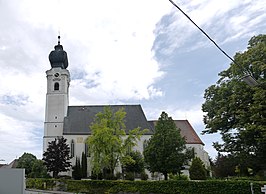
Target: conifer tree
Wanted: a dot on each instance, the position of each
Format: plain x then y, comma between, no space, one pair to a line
84,165
77,170
197,170
166,151
56,157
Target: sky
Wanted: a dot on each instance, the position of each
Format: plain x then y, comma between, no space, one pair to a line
119,52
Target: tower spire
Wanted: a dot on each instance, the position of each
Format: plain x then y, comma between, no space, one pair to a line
59,39
58,57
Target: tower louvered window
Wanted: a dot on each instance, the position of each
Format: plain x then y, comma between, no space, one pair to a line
56,86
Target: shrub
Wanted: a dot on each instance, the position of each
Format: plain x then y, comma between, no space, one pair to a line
178,177
147,187
130,176
144,176
197,170
77,171
96,177
110,176
119,175
40,183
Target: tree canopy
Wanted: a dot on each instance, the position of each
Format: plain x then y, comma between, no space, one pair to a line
56,157
166,151
224,166
238,111
109,143
136,165
33,167
197,170
26,161
38,170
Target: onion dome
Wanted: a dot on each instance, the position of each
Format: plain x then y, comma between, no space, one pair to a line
58,57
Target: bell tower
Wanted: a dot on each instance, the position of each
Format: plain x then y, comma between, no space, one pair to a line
58,79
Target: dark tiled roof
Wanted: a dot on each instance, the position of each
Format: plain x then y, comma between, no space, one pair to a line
79,118
186,131
12,164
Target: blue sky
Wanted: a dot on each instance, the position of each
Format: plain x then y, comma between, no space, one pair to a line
120,52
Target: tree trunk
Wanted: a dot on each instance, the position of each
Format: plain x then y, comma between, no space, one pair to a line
55,174
112,173
165,176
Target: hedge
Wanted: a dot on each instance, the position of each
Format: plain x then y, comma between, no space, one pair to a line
40,183
148,187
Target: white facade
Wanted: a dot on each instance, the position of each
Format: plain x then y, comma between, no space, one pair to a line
58,80
200,153
80,146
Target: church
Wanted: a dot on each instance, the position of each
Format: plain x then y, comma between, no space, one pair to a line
73,122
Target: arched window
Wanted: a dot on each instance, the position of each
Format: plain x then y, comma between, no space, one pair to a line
87,154
56,86
72,148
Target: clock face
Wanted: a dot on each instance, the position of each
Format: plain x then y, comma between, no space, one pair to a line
56,74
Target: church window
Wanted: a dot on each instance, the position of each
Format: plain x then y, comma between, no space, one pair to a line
55,126
55,117
87,154
56,86
72,148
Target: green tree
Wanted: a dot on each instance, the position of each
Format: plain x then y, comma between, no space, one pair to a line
26,161
197,170
38,170
135,164
56,157
109,142
83,165
77,170
226,165
238,111
166,151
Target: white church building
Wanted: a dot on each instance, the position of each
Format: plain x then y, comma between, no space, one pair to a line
73,122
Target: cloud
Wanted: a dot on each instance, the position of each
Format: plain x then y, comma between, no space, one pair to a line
109,47
19,136
119,52
223,21
192,113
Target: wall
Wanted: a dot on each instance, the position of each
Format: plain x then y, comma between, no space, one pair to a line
79,147
201,153
12,181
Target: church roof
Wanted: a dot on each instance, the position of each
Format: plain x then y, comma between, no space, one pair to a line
79,118
13,164
186,131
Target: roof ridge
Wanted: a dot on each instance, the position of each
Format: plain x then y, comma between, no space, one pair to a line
105,105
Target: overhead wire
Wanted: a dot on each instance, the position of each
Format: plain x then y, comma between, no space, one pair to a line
246,72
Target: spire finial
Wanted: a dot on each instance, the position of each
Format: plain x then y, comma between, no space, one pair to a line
59,40
58,57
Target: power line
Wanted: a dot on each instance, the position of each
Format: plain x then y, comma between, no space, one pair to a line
247,77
